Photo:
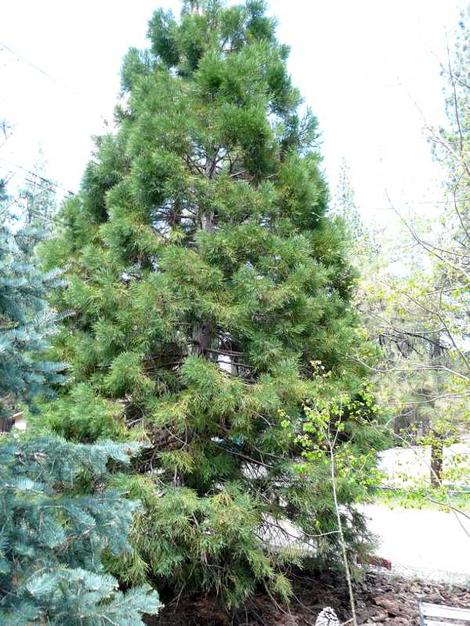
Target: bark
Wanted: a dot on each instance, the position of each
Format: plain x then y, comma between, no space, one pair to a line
202,338
6,423
437,457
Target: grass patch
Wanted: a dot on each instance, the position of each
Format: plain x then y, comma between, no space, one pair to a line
426,498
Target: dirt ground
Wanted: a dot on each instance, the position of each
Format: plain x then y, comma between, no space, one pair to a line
380,599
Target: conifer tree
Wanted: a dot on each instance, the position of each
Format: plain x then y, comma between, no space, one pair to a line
56,518
26,322
56,521
207,289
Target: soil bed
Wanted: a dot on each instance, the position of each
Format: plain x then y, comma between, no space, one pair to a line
380,599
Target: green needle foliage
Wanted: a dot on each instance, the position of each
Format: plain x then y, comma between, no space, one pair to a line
204,279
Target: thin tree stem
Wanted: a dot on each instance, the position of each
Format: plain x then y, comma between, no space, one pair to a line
341,536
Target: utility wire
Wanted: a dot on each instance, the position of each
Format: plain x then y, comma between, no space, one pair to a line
19,57
36,175
74,94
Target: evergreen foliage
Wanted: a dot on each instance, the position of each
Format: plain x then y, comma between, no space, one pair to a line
204,280
26,321
56,520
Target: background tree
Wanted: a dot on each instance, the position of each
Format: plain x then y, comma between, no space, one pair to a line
204,279
37,198
414,296
451,253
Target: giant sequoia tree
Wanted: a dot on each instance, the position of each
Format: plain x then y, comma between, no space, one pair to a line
208,289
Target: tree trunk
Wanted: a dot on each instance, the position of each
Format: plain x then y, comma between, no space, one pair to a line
202,338
437,457
6,423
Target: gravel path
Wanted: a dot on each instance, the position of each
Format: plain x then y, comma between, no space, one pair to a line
426,544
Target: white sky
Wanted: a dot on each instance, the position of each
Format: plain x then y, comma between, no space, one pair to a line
369,69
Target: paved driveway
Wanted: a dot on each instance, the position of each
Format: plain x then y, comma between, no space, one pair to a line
428,544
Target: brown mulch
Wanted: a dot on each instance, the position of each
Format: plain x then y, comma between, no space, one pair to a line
380,599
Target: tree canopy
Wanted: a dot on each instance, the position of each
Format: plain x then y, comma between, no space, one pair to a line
209,301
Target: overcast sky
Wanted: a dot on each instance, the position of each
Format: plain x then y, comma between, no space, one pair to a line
369,69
